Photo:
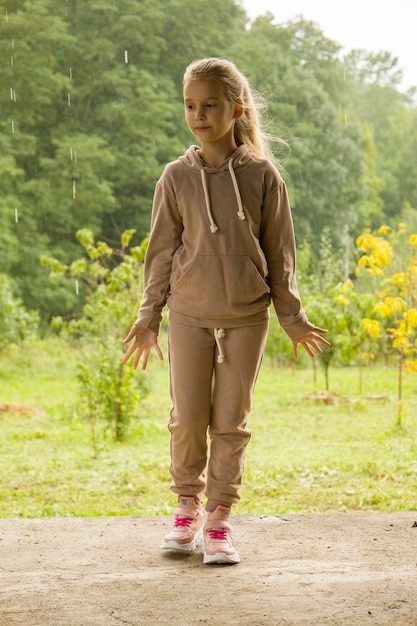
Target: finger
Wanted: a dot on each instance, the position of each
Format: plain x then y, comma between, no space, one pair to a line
313,344
319,338
130,335
322,331
137,358
145,359
128,354
308,350
159,352
295,350
324,341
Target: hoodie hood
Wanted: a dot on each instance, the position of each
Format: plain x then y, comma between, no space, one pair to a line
240,158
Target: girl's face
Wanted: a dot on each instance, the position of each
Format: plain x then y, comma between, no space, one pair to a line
209,114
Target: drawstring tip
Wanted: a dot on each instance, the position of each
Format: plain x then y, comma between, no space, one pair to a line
241,216
214,228
220,358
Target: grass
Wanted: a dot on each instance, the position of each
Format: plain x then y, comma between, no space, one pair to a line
304,456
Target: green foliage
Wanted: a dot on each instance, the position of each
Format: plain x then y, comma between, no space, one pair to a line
320,277
278,347
390,257
91,112
112,280
16,323
109,391
338,458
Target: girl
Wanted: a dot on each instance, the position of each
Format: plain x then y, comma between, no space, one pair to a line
221,249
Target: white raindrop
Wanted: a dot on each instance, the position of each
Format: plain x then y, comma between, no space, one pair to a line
13,127
16,216
74,189
126,57
69,99
76,287
70,72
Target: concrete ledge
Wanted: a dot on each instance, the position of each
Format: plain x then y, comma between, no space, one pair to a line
312,570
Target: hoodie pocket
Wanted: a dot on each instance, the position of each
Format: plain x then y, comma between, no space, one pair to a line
219,287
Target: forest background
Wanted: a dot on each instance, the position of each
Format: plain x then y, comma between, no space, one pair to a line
91,111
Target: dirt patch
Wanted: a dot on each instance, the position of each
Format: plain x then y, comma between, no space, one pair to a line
20,409
296,570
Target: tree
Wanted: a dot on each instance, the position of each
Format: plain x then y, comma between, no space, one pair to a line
299,72
320,277
391,258
16,323
112,279
91,111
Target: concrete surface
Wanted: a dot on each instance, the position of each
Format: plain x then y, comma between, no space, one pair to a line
313,570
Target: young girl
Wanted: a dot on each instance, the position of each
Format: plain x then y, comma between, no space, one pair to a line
221,249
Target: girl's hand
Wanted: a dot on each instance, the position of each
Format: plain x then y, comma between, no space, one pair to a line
144,341
310,341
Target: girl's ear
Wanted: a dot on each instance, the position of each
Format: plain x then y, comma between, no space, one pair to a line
239,109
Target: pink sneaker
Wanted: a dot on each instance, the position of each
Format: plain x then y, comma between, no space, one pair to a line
217,538
187,529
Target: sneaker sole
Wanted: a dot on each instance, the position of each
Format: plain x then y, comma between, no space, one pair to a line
183,547
221,557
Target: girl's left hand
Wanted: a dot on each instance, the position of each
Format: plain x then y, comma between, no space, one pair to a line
144,340
310,341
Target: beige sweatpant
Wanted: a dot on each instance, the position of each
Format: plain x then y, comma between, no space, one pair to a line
211,398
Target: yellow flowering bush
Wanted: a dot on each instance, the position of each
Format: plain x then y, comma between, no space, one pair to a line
391,259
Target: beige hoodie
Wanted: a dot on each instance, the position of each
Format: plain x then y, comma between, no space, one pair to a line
221,246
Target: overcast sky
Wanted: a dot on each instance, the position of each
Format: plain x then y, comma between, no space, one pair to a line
371,24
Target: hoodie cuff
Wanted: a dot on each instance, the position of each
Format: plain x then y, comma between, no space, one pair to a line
298,328
150,323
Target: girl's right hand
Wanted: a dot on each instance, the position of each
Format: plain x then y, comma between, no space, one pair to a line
143,342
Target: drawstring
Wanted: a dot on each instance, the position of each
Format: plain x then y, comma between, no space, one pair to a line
213,226
219,334
241,214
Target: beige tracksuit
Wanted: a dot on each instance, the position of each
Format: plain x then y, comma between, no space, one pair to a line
221,249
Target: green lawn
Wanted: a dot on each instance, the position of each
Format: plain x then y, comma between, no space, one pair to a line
304,456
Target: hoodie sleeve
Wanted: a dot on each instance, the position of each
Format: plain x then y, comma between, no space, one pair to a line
278,244
164,240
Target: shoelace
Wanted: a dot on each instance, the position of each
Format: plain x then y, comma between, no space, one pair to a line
218,533
182,521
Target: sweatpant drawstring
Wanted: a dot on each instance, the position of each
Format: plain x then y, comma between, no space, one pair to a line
219,334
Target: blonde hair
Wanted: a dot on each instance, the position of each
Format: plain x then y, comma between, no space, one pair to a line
248,127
